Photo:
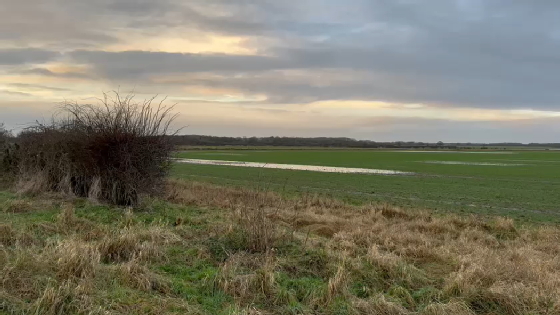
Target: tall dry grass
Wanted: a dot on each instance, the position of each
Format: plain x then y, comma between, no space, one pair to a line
308,255
66,273
477,265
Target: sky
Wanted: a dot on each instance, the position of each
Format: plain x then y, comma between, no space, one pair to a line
382,70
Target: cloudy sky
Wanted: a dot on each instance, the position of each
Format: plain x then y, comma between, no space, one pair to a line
450,70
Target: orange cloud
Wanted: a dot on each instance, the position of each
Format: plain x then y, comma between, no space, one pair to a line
176,42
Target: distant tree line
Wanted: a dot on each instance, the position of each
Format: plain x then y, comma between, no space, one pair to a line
339,142
326,142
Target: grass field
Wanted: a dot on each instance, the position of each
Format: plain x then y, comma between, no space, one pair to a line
520,184
269,246
206,249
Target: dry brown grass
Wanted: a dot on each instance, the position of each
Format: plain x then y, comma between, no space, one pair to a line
310,255
379,305
338,284
18,206
66,298
61,275
201,194
129,243
136,275
24,273
455,308
248,277
8,235
479,265
260,232
76,259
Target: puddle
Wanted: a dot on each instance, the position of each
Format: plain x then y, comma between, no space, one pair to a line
471,163
313,168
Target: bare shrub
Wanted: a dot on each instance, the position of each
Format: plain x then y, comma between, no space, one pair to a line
113,151
8,152
32,184
3,133
3,142
94,193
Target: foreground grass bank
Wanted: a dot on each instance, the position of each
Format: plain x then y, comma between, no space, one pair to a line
207,249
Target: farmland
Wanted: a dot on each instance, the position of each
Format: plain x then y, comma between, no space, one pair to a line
284,231
295,242
519,184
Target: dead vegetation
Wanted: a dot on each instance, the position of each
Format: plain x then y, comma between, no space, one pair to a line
8,158
473,265
223,250
114,151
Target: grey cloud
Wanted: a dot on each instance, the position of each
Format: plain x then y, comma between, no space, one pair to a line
391,77
36,87
51,22
442,77
476,53
259,18
130,64
16,93
490,54
67,25
48,73
71,24
11,57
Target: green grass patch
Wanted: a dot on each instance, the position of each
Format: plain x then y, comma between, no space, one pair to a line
521,191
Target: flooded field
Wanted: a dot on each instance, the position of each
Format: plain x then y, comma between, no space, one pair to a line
313,168
523,184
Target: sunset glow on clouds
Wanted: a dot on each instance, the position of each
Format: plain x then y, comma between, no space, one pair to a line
446,70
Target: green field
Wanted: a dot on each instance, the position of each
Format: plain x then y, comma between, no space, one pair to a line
526,186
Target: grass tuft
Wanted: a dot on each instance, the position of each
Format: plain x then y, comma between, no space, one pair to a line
76,259
136,275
